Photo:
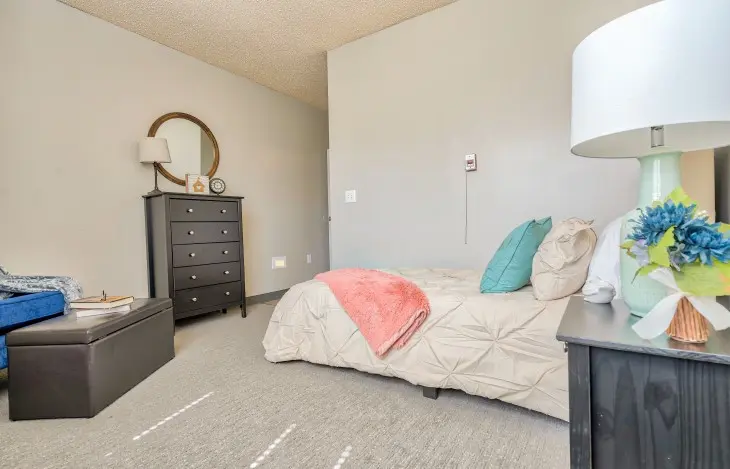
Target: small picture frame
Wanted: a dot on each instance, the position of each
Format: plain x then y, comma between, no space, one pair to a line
197,184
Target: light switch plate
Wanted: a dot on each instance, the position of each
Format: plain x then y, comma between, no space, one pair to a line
309,258
470,163
351,196
278,262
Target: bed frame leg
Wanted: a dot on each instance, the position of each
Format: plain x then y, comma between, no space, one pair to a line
431,393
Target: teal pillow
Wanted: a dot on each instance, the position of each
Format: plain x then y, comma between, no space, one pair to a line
511,266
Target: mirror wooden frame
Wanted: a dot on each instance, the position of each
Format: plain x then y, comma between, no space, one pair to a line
182,115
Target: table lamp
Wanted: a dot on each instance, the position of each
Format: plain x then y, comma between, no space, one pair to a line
651,85
154,150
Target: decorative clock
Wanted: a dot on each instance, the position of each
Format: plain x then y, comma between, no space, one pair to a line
217,186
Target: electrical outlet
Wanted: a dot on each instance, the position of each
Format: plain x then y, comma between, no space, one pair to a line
278,262
351,196
309,258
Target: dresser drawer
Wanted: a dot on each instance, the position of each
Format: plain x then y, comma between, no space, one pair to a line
201,275
184,255
203,210
226,293
202,232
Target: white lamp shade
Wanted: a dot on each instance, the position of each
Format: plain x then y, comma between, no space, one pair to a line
154,150
667,64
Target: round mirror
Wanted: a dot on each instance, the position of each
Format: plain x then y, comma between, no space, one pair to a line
193,148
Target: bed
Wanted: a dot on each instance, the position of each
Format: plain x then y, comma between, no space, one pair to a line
499,346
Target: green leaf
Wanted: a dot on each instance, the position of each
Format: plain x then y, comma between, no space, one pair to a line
704,280
724,228
647,269
659,254
679,196
628,244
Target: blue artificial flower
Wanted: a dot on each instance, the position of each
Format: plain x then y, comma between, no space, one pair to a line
655,221
676,256
641,252
703,241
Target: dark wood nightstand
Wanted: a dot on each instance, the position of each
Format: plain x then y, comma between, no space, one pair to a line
635,403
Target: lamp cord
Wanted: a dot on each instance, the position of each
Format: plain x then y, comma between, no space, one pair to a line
466,207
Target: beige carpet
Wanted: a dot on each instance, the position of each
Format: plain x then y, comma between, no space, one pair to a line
219,404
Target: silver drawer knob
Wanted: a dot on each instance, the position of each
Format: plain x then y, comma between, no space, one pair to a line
192,254
226,272
565,347
228,293
194,300
225,252
224,211
191,232
190,210
193,277
224,231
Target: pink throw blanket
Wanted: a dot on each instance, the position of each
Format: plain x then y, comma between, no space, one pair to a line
386,308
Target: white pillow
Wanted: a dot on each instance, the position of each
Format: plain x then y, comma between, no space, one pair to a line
560,266
604,271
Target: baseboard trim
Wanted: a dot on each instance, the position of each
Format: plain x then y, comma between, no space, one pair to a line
274,295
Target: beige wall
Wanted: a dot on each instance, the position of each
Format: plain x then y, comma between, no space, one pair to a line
489,77
76,94
722,184
698,178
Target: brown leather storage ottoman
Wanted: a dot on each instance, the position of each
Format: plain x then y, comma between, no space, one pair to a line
70,367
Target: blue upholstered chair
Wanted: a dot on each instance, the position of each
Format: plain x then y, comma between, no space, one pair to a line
21,310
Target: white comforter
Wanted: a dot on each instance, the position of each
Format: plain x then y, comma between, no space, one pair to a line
499,346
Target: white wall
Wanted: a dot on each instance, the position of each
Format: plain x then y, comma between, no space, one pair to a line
478,76
77,93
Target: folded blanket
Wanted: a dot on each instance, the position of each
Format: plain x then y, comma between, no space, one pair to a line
12,284
3,294
386,308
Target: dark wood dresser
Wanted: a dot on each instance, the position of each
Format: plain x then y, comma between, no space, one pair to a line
195,252
649,404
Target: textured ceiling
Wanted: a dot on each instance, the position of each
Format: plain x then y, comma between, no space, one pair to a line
281,44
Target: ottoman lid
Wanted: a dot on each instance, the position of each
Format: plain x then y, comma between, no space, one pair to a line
69,329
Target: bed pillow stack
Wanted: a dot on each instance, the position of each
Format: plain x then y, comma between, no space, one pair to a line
560,266
511,266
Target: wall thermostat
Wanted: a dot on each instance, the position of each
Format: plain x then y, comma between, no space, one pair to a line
471,163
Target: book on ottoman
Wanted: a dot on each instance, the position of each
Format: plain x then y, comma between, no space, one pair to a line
82,313
101,302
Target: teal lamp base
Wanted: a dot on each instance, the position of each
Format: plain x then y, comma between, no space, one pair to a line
660,175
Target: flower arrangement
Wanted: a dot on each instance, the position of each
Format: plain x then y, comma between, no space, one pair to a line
674,243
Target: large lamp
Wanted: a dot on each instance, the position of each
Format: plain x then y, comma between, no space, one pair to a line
651,85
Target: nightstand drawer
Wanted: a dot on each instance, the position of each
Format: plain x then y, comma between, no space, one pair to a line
203,210
202,232
184,255
201,275
195,298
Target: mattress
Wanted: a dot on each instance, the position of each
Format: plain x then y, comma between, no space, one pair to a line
499,346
